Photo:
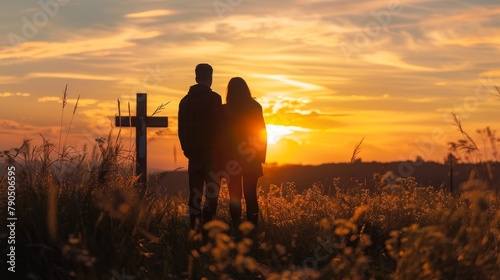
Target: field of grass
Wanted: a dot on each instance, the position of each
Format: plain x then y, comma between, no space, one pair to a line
80,216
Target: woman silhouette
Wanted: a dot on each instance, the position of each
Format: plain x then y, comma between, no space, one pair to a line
245,141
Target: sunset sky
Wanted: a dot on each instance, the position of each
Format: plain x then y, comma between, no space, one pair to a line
327,73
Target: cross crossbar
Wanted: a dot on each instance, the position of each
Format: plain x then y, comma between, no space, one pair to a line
150,121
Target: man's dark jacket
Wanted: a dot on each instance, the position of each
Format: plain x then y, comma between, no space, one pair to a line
199,119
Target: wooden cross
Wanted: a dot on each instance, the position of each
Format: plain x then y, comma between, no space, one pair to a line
141,123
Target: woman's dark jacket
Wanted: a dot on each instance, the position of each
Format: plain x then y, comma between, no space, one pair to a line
244,136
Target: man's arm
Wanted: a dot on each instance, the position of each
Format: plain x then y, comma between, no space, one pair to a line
181,126
217,125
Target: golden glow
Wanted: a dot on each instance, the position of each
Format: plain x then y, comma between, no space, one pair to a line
395,85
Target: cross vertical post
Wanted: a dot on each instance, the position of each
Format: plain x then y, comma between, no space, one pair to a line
140,138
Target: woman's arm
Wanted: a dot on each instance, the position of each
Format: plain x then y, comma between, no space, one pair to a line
261,135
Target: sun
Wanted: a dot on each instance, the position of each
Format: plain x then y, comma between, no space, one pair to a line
276,132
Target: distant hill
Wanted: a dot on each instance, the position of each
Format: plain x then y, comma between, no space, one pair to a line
304,176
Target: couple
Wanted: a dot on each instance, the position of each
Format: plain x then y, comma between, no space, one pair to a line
227,141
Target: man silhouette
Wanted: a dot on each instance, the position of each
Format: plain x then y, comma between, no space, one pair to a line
198,128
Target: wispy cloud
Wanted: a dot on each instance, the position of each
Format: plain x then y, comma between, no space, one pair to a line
71,76
77,45
12,125
393,60
8,79
10,94
289,81
359,97
151,13
82,102
49,99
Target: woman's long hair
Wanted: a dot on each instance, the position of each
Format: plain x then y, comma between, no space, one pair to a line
238,92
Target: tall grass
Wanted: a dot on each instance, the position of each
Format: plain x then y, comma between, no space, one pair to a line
90,224
467,150
64,102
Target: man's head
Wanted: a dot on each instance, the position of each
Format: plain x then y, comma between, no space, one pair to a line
204,73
